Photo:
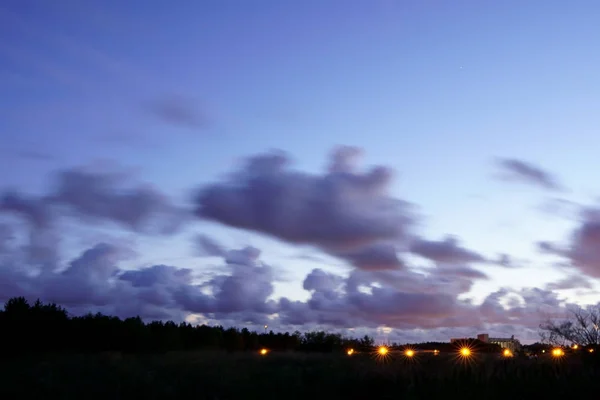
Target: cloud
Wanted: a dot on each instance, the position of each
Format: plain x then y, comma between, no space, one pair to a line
525,172
582,250
179,111
242,292
34,210
98,197
209,247
562,208
342,211
570,282
105,196
444,251
507,261
399,299
378,256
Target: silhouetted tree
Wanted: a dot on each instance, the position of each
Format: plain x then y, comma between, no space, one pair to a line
48,327
581,326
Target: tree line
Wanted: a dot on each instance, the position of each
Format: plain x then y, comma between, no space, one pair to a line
49,328
41,327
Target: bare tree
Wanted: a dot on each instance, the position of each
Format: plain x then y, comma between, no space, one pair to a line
580,327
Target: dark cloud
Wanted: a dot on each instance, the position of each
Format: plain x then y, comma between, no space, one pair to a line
570,282
34,210
582,250
209,247
342,211
378,256
444,251
109,197
505,260
585,247
179,111
401,299
98,197
551,248
242,292
522,171
6,236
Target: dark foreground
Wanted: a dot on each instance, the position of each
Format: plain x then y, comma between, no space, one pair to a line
293,376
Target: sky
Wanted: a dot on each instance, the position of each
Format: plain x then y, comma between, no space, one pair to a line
414,170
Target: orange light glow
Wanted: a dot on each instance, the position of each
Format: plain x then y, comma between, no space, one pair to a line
558,352
436,352
591,350
350,352
507,353
465,352
409,353
263,352
575,347
382,350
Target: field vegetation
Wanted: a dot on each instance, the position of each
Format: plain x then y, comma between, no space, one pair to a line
47,354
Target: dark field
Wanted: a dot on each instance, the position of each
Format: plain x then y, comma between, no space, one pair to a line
205,375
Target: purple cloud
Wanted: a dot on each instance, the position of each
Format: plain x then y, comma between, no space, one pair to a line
178,111
98,197
209,247
342,212
444,251
528,173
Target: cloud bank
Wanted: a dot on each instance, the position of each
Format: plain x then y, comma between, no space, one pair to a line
344,212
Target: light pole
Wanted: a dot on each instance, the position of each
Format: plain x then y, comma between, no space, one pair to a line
266,326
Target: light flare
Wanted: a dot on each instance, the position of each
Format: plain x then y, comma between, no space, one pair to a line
557,352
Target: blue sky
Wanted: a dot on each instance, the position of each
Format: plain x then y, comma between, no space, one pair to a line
438,91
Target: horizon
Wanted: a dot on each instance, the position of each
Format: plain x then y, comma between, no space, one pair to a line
397,169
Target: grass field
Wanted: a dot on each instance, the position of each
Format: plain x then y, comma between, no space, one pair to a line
206,375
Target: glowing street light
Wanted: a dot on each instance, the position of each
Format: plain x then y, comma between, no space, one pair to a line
591,350
436,352
266,326
575,346
465,352
350,352
558,352
507,353
383,350
263,352
409,353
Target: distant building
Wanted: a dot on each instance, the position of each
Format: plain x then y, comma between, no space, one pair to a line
506,343
454,340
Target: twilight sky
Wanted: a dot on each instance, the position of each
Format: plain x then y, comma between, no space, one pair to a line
409,169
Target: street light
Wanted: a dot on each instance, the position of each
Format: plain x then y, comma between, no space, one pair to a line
266,326
558,352
465,352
